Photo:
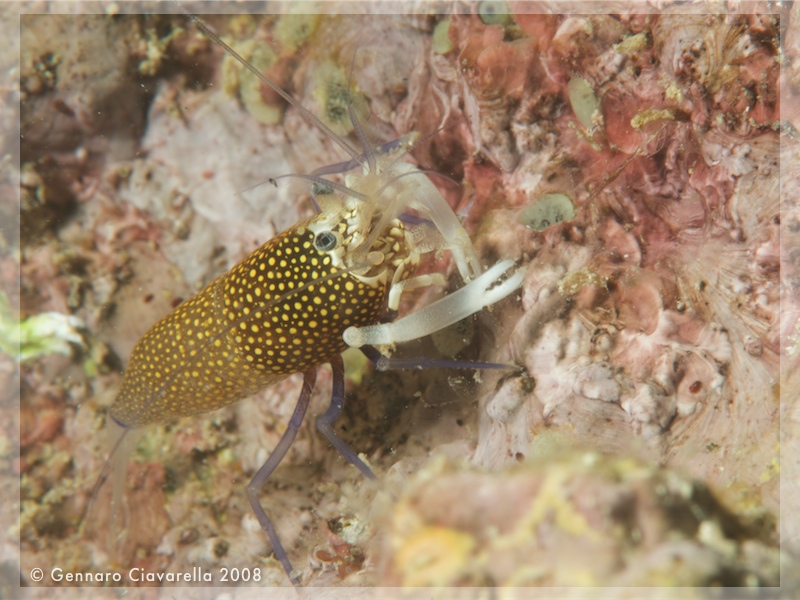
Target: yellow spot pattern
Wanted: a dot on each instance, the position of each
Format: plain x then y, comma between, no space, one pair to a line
272,315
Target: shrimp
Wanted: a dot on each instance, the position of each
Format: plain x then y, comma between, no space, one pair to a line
303,297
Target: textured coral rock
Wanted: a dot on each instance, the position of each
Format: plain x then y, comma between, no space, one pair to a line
651,319
574,519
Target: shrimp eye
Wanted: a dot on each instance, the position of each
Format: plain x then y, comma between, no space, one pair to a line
325,241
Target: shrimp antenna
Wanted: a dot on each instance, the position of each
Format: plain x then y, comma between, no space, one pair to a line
324,183
417,141
104,471
320,181
314,120
361,133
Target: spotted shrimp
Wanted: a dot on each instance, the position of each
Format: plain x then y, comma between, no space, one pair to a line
303,297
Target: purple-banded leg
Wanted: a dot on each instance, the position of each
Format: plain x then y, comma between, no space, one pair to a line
385,363
325,421
275,458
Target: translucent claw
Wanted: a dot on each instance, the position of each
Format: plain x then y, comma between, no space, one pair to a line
475,296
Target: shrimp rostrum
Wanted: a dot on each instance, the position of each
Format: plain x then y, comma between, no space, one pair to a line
303,297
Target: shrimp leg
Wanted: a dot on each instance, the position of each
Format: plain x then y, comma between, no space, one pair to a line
260,478
325,421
